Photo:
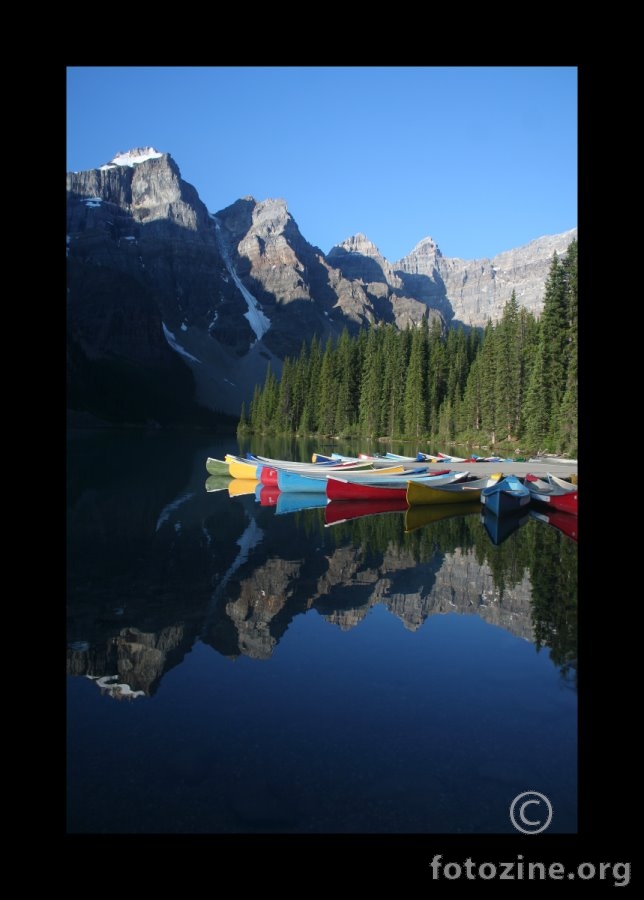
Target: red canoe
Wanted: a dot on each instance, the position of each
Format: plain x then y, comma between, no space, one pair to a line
338,489
394,488
552,496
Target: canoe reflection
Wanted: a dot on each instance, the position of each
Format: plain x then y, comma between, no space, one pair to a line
338,511
499,528
564,522
239,487
419,516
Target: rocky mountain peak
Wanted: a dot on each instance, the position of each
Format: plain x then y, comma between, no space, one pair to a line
266,220
358,243
428,245
422,258
143,183
271,216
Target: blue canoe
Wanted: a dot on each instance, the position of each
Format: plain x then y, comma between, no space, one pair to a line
507,495
317,483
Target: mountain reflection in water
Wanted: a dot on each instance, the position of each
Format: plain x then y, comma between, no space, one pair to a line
162,566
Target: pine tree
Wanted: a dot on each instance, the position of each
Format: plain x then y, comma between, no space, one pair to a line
470,421
284,413
508,387
416,385
346,381
548,377
328,390
242,425
254,412
269,402
436,372
300,385
394,365
458,364
487,384
313,387
567,426
370,407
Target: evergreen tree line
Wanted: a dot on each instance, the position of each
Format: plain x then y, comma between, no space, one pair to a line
509,384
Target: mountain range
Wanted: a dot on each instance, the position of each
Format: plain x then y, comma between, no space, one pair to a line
174,312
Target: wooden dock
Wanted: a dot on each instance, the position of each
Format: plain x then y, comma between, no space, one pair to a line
562,468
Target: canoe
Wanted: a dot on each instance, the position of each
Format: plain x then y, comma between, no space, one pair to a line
217,466
383,458
499,528
299,466
376,462
309,482
316,481
566,502
443,457
547,494
420,457
300,484
337,511
379,462
269,473
241,468
555,460
289,464
563,483
420,493
250,467
419,516
393,488
564,522
507,495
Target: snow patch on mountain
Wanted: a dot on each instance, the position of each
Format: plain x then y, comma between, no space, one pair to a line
172,341
256,318
132,157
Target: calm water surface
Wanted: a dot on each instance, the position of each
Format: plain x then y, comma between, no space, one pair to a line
236,665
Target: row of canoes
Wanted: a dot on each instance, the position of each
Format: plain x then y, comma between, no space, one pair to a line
358,479
372,479
265,469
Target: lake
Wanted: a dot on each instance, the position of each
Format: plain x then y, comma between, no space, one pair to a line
241,664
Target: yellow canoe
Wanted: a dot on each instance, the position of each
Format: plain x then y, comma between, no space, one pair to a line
238,468
420,494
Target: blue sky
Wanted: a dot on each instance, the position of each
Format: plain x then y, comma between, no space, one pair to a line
481,159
